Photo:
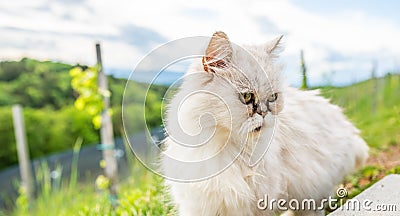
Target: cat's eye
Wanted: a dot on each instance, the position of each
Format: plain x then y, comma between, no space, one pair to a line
247,97
273,97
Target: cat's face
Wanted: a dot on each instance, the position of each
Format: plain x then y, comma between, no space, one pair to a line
249,82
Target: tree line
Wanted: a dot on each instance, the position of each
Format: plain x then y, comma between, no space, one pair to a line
52,122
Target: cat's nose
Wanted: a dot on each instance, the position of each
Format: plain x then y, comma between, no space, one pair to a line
263,114
262,111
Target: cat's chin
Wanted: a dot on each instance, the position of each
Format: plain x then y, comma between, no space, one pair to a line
258,128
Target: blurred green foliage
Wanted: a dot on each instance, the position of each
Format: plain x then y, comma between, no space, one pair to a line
35,84
142,194
380,126
52,122
90,98
48,130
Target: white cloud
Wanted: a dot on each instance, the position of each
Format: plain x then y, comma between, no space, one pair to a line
70,30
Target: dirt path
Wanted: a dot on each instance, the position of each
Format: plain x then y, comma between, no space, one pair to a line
381,163
386,159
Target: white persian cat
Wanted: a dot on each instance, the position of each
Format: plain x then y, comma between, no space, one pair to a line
258,137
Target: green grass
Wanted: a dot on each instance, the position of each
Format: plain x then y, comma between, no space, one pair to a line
375,113
142,193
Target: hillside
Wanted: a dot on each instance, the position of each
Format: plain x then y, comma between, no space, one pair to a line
374,107
52,122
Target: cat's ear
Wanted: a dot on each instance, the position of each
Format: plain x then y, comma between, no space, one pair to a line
274,45
218,53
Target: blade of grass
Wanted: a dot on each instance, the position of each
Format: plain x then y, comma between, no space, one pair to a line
74,165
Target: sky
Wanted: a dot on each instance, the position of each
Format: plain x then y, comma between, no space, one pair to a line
342,40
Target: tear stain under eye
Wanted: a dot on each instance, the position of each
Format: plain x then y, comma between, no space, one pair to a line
252,110
255,107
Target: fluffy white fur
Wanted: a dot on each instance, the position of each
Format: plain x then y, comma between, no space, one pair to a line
313,147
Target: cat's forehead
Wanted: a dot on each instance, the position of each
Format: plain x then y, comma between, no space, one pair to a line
258,68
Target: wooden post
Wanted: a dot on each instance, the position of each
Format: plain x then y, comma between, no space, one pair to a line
374,88
106,130
303,71
23,151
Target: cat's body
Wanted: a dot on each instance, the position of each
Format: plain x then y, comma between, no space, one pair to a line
313,147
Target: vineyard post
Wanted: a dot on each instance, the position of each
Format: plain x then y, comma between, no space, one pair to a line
23,151
106,130
374,88
303,67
